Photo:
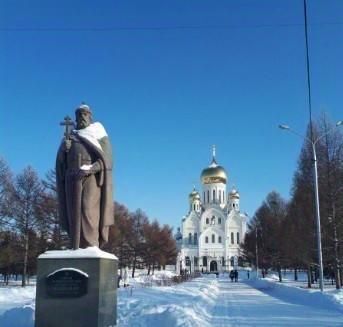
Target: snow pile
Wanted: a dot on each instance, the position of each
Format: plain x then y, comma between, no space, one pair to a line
18,317
159,278
17,306
185,304
325,300
90,252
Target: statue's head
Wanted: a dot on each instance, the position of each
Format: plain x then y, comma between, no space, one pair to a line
83,115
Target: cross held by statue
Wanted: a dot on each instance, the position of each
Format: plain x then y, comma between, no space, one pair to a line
69,125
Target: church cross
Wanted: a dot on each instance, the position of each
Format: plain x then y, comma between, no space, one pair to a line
67,122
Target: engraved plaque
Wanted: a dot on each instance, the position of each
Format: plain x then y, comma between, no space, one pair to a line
67,283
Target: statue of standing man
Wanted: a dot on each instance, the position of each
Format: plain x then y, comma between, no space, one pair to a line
84,181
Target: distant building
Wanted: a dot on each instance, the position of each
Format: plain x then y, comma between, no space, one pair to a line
211,232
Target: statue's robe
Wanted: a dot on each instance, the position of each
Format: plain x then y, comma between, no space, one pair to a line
86,205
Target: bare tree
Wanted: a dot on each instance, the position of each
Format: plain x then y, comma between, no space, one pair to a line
27,196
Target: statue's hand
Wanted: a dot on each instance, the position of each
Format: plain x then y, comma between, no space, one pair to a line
86,170
82,173
67,144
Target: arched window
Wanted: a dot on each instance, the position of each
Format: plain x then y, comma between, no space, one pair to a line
189,238
213,238
232,238
195,238
207,221
220,196
219,220
214,196
206,239
219,239
213,220
208,196
237,238
194,206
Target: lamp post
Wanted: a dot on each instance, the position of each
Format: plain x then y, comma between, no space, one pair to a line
314,156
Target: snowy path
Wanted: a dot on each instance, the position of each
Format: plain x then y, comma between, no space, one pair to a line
239,304
218,302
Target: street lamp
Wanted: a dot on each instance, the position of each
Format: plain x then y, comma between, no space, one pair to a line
319,237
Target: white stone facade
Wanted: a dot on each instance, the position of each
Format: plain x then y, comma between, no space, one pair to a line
214,227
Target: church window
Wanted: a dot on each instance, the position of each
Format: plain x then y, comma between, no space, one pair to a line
190,238
194,207
204,261
219,220
232,238
220,196
232,261
204,197
213,220
233,204
237,238
223,261
206,239
208,196
213,238
224,196
207,221
214,195
195,238
219,239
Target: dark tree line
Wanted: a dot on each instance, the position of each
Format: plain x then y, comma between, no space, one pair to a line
29,226
139,243
284,233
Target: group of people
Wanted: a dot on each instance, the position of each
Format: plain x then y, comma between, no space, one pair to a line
234,275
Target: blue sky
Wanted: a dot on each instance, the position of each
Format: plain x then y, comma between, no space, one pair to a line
168,79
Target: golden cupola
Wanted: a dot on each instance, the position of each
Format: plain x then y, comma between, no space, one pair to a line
213,173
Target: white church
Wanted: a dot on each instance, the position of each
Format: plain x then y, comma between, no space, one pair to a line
214,228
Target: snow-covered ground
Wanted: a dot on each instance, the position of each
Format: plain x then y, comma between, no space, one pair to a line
205,301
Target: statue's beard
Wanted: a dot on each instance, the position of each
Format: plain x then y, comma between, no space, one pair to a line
82,124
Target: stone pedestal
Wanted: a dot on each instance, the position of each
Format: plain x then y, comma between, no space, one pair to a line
76,288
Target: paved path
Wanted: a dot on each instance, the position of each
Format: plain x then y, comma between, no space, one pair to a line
239,304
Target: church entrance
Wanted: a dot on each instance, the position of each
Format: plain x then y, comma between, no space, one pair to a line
213,266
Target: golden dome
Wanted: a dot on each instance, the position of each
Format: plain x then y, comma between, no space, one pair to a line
213,174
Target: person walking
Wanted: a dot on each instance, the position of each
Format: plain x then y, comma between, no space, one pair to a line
232,275
236,275
126,277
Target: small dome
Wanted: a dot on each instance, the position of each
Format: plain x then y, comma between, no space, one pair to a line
213,174
194,195
234,194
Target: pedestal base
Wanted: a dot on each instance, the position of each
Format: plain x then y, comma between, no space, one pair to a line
76,289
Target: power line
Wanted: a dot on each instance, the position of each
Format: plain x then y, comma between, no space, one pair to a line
156,28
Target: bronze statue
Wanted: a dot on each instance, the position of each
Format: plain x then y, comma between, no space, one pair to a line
84,181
